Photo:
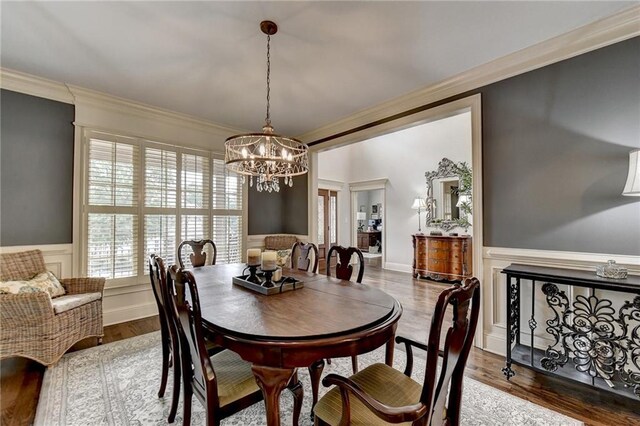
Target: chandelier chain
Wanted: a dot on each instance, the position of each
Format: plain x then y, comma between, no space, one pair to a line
268,118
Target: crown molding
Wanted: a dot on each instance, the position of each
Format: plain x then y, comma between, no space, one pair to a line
601,33
49,89
83,96
17,81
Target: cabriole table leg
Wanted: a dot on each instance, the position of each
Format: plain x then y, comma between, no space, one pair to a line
272,381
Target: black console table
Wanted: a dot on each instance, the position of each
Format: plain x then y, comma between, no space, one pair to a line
594,343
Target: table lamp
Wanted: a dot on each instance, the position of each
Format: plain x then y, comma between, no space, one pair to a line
419,204
361,217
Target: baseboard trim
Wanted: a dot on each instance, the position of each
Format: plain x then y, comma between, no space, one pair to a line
129,313
494,344
398,267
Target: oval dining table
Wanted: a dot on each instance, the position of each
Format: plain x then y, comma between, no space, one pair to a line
327,318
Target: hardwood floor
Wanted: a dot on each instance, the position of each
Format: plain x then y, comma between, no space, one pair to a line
21,379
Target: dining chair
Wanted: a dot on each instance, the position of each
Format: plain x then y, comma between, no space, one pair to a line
344,268
168,332
302,262
344,271
224,382
380,394
198,257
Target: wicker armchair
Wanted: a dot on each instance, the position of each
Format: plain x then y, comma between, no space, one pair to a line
32,326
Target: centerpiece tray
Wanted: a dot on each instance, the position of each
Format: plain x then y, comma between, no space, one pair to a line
280,286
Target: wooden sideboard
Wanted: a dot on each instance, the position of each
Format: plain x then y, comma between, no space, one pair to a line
368,238
442,257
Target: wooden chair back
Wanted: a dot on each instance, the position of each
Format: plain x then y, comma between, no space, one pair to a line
302,262
195,359
465,303
344,269
168,331
158,277
198,257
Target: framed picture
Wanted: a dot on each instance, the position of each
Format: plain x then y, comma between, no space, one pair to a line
374,216
374,209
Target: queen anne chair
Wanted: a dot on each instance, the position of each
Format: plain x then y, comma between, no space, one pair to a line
302,262
380,395
344,271
168,332
32,325
224,383
344,268
199,256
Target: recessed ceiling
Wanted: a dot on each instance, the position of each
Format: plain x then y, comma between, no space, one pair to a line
329,59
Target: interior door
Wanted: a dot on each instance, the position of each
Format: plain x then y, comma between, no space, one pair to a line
327,224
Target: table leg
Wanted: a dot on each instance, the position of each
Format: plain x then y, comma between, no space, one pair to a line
272,381
388,355
315,372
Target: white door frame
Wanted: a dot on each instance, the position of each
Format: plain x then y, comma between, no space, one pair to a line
368,185
471,104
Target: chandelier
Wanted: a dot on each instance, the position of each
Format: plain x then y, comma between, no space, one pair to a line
266,156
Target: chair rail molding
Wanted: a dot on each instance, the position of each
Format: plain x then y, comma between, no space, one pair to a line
495,259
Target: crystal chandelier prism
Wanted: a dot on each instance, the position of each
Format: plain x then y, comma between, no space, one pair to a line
266,156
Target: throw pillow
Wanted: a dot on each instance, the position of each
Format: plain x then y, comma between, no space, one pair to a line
282,258
43,282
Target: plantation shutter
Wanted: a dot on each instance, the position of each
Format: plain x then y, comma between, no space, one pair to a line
112,206
226,212
160,202
195,185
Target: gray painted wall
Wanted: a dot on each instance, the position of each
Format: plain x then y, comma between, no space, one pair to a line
555,155
36,170
283,212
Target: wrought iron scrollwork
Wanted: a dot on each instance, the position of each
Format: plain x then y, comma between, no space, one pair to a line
588,331
514,311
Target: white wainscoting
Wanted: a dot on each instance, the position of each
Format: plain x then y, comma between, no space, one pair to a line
57,257
494,290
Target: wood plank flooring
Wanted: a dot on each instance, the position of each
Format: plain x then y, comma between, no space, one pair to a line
21,379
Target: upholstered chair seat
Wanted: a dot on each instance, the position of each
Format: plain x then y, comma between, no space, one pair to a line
70,301
235,379
385,384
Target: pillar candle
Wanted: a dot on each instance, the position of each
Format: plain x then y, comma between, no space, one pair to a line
277,274
269,261
253,257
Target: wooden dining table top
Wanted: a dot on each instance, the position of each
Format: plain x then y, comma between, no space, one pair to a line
324,307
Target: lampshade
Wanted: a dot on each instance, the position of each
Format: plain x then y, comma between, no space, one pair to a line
632,187
419,203
361,216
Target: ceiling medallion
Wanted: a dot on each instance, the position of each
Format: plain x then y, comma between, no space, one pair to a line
267,156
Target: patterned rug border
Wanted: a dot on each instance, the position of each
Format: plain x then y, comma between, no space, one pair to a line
112,351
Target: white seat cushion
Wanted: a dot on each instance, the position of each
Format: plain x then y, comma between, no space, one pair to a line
70,301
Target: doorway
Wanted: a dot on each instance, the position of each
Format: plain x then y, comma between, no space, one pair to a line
327,224
368,211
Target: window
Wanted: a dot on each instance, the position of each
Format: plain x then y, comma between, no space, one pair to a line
144,197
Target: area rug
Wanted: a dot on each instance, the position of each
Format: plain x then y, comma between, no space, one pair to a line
117,384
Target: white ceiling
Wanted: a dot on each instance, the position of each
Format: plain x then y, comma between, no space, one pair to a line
329,59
